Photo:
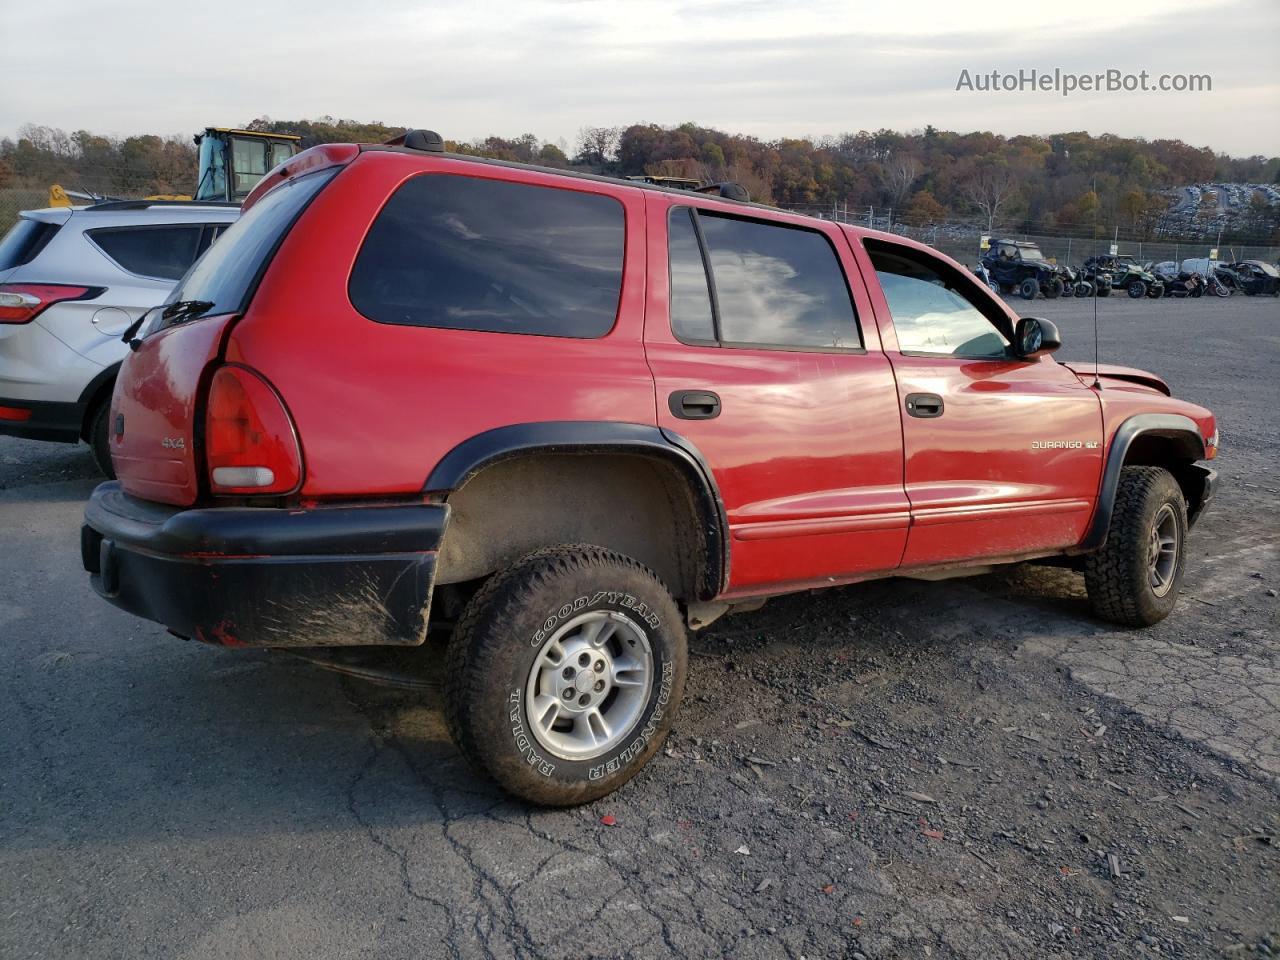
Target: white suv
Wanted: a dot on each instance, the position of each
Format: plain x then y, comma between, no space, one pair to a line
72,279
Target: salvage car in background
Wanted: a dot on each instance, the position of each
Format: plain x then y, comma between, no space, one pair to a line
1255,277
72,279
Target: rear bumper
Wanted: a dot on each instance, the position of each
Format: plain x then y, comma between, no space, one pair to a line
267,577
47,420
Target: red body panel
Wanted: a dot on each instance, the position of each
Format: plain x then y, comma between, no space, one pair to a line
807,450
157,394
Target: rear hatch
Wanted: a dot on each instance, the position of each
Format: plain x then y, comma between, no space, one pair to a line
158,403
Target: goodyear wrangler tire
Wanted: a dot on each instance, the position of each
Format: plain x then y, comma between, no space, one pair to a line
1133,580
564,673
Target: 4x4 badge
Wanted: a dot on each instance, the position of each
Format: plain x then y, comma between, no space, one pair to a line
174,443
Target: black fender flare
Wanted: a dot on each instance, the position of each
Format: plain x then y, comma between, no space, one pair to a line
1172,425
483,450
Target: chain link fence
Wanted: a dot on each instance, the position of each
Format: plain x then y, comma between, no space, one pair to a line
962,241
13,200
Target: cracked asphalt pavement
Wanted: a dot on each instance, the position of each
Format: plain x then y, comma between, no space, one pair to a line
975,768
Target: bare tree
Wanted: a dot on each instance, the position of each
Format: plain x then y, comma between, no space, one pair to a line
989,189
900,174
597,145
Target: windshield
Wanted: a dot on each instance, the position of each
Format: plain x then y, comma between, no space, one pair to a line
213,170
226,275
1031,253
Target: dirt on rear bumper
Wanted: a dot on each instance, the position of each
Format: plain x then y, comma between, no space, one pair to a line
267,577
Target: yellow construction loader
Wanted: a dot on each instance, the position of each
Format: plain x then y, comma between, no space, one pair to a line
231,163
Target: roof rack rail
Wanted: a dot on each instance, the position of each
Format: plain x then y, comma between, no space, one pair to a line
427,141
143,204
728,189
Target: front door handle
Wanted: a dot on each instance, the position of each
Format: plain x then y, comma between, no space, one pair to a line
694,404
924,405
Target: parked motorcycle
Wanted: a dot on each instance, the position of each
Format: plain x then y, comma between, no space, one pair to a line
1184,285
1216,285
1074,283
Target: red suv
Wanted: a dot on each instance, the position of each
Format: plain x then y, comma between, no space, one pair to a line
564,417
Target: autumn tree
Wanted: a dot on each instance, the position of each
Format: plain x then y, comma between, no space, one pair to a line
925,209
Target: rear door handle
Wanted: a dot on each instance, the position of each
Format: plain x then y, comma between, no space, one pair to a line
694,404
924,405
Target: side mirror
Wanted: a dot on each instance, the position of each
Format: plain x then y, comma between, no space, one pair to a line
1035,338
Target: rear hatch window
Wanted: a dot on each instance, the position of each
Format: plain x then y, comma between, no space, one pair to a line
24,241
228,272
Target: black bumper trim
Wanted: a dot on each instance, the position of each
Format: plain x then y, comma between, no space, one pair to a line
267,577
50,420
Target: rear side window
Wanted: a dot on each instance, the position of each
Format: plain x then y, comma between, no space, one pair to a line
228,272
467,253
771,285
165,252
24,241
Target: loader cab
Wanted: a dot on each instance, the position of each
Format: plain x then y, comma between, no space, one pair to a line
233,161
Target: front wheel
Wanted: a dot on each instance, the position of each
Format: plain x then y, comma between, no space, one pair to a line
564,673
1104,290
1133,580
1028,288
1053,289
1137,290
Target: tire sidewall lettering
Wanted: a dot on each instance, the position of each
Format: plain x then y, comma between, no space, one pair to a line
606,597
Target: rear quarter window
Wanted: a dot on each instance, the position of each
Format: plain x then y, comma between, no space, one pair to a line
164,251
468,253
24,241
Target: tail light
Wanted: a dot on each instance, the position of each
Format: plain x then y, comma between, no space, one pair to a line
23,302
250,441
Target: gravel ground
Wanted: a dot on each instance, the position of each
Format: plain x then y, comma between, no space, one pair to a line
974,768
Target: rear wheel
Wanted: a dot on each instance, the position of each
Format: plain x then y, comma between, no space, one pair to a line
100,439
564,674
1134,579
1028,288
1104,289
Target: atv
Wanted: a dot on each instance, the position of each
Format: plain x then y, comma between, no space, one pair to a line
1128,275
1021,268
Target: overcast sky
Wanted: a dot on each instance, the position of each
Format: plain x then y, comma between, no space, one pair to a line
772,68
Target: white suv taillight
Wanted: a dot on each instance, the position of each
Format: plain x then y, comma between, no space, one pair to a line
250,441
22,302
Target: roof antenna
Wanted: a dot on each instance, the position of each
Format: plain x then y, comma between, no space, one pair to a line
1097,378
